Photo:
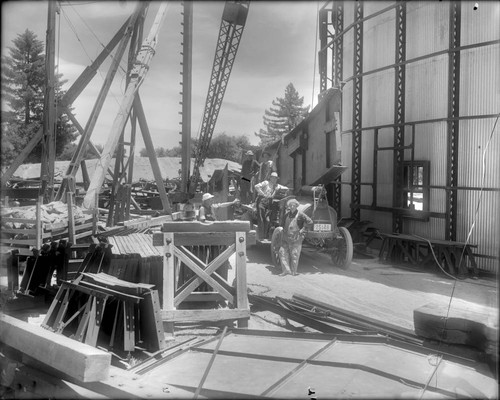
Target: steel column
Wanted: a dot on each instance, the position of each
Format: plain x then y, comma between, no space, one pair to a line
357,112
399,115
338,20
453,123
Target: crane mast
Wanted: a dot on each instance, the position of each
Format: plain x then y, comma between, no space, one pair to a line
231,29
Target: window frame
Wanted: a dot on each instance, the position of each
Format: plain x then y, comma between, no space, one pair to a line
410,189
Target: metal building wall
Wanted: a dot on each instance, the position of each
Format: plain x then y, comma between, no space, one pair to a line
429,83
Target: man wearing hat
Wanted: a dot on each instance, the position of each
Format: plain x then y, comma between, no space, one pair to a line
249,168
208,212
266,167
266,190
295,225
208,209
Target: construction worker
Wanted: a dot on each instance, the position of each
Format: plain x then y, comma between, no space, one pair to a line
295,225
266,167
249,168
208,209
266,191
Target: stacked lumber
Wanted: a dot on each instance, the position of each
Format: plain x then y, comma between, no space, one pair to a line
30,226
52,215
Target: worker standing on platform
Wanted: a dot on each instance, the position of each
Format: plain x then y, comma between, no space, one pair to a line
295,225
267,167
266,190
249,168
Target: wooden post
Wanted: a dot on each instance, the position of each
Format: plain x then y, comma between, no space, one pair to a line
168,279
70,96
71,218
38,226
49,110
138,75
95,214
187,52
241,276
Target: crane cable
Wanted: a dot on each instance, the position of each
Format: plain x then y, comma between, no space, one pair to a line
315,53
467,241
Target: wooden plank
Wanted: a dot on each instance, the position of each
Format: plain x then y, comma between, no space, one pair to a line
241,272
203,315
469,324
206,227
71,218
205,239
22,231
80,361
19,220
168,292
26,242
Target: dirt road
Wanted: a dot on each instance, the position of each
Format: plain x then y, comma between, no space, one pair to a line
386,292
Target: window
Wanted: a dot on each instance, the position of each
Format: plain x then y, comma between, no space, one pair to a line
416,185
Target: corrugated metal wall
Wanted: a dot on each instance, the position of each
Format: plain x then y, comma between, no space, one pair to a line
426,99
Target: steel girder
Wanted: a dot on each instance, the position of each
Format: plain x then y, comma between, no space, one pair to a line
357,111
453,122
399,114
338,20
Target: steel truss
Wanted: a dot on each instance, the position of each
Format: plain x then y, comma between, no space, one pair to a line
357,111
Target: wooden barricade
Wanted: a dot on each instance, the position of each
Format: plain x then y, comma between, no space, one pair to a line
176,238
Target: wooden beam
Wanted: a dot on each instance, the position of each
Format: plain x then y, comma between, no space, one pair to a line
49,109
203,315
73,92
215,226
96,110
187,56
80,361
141,117
138,75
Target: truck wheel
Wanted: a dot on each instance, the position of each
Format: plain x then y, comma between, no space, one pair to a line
275,246
342,249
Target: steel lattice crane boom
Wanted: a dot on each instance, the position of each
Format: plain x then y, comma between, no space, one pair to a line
231,29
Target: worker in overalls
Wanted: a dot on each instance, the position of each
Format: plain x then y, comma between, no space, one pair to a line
295,225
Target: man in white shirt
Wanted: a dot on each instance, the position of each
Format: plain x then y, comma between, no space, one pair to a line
266,190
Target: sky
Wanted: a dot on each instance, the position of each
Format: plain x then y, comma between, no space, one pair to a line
278,46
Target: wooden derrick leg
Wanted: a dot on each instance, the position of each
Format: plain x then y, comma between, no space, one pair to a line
168,280
241,276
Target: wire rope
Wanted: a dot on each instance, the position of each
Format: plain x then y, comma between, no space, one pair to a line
466,243
315,53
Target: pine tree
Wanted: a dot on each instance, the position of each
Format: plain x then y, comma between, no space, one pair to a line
23,89
286,114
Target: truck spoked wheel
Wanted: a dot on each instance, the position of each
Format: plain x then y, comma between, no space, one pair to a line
342,249
275,246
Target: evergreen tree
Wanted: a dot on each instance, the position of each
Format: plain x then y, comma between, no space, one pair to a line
286,114
23,90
